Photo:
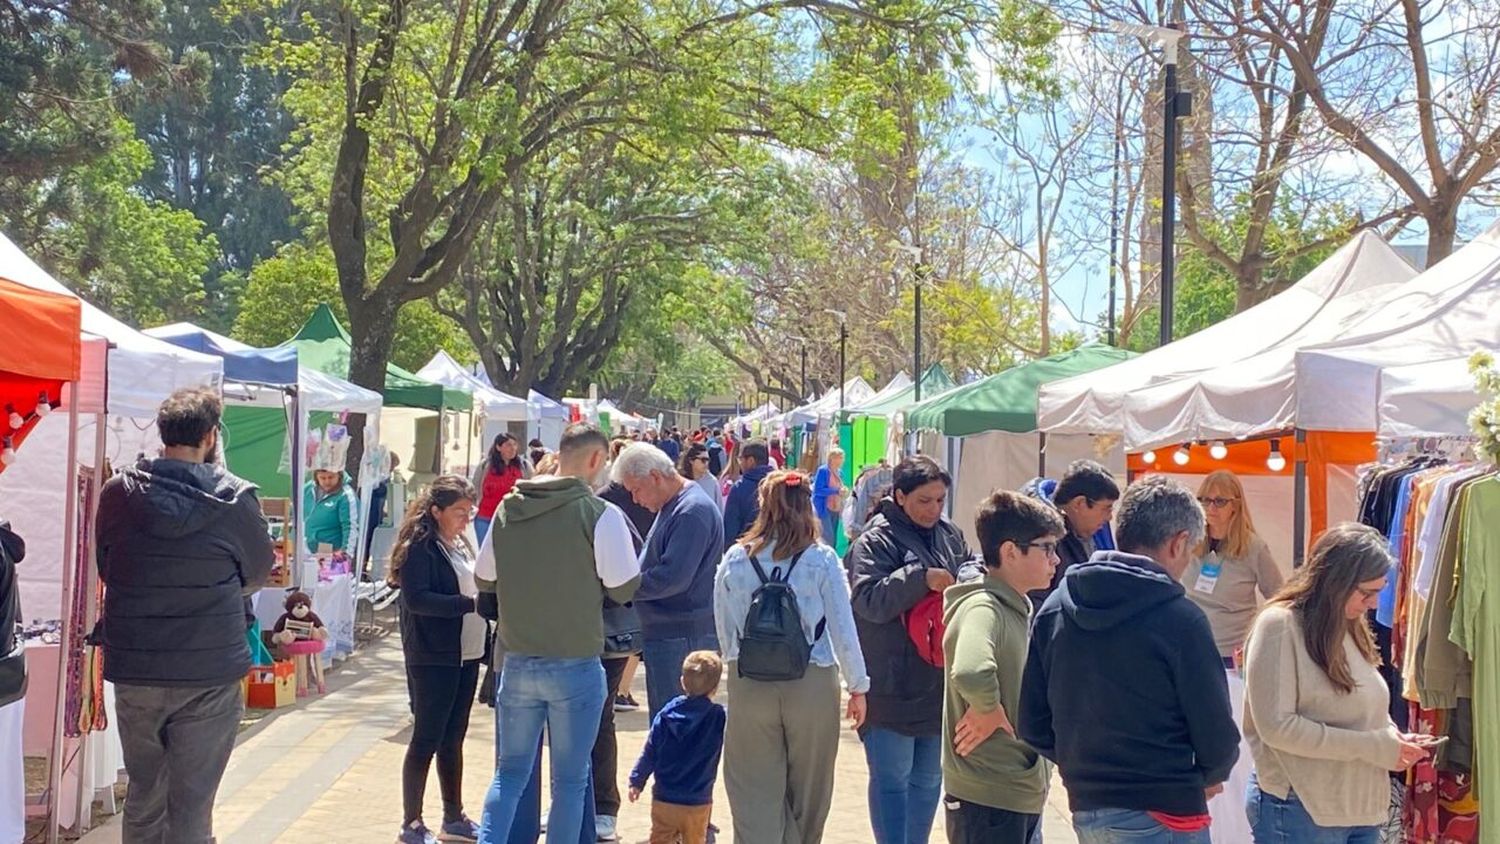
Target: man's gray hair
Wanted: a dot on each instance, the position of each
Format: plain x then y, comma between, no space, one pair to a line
639,460
1154,510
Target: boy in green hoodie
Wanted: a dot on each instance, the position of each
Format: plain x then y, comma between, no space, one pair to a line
996,785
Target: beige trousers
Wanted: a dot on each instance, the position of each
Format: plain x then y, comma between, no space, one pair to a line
779,750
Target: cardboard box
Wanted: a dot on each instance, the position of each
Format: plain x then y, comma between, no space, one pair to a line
272,686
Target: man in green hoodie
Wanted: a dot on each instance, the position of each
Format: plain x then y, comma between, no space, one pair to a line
996,785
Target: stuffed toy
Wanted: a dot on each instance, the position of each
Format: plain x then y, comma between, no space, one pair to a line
298,609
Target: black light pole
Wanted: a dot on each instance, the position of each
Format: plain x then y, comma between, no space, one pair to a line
804,368
1175,104
843,342
1114,206
917,340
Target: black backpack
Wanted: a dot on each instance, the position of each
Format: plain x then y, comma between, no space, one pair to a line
773,647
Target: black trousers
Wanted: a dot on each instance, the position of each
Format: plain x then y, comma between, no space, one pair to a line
971,823
441,697
606,758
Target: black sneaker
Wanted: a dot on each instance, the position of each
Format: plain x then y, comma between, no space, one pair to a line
625,703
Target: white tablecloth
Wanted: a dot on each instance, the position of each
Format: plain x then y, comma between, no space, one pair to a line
333,601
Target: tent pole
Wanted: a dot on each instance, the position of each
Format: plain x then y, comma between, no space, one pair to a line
1041,455
1299,500
70,547
91,615
469,453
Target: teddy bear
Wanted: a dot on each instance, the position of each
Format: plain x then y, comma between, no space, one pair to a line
299,609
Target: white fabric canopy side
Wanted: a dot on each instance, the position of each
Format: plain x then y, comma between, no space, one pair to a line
1449,311
320,391
855,391
1095,402
443,369
547,408
142,371
1427,399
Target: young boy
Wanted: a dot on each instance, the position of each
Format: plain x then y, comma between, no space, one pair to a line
996,785
683,750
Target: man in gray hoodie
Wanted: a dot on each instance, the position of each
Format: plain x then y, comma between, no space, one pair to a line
181,542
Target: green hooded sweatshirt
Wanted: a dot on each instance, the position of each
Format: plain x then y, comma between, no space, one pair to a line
984,651
547,582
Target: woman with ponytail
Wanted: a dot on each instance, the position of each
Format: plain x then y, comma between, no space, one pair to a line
443,639
782,737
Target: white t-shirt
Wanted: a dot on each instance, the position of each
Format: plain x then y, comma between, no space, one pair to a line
475,631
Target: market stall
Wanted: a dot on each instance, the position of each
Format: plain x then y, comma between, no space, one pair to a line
990,429
497,411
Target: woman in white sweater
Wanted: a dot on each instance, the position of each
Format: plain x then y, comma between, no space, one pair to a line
1316,708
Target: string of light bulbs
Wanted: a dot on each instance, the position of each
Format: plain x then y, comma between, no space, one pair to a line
1218,450
16,422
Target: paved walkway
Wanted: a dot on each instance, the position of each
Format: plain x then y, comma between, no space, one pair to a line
330,770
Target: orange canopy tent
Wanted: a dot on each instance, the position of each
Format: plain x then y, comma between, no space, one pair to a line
40,350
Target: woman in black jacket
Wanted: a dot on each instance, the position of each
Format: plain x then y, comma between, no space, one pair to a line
909,552
443,639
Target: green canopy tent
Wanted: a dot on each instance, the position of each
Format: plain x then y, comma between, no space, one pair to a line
324,345
1006,401
990,429
868,424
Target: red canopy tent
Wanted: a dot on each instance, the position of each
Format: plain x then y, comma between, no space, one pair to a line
40,350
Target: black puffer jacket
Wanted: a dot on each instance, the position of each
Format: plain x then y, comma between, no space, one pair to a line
180,545
887,566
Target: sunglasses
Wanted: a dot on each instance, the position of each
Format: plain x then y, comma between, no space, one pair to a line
1049,548
1217,503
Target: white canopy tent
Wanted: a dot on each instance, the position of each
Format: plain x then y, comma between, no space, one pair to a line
1255,391
1450,311
855,391
496,405
552,418
760,414
125,377
1431,399
1095,402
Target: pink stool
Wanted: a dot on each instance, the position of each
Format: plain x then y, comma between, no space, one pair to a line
305,655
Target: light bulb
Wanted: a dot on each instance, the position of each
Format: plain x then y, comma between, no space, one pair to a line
8,454
15,418
1181,455
1218,450
1148,457
1276,461
43,404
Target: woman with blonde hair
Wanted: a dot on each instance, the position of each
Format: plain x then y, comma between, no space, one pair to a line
1233,564
1317,710
782,736
443,640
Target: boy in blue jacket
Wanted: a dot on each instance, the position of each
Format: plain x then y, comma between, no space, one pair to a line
683,751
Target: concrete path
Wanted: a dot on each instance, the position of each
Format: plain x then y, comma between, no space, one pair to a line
329,770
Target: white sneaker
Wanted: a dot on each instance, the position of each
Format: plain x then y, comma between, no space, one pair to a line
604,828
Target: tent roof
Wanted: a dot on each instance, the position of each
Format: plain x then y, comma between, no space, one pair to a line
1256,393
1095,403
324,345
1006,401
549,408
855,390
935,382
1447,312
760,414
143,371
443,369
244,364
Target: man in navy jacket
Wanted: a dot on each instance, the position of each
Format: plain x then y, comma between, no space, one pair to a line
743,503
1124,688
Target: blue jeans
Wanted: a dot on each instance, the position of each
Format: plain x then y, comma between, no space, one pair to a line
663,658
481,527
906,782
564,696
1129,826
830,524
527,826
1273,820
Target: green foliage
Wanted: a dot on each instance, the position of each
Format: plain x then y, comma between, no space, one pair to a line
282,292
137,258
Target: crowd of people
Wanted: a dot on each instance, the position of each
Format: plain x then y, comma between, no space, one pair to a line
969,673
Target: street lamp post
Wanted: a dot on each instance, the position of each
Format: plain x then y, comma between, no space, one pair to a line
1175,104
843,343
915,253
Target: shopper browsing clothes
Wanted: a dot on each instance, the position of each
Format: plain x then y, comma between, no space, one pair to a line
900,566
443,639
183,540
1317,716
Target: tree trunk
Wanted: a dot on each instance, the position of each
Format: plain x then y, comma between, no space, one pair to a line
1249,288
1442,230
372,332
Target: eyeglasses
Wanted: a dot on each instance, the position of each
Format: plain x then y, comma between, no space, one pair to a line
1217,503
1050,548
